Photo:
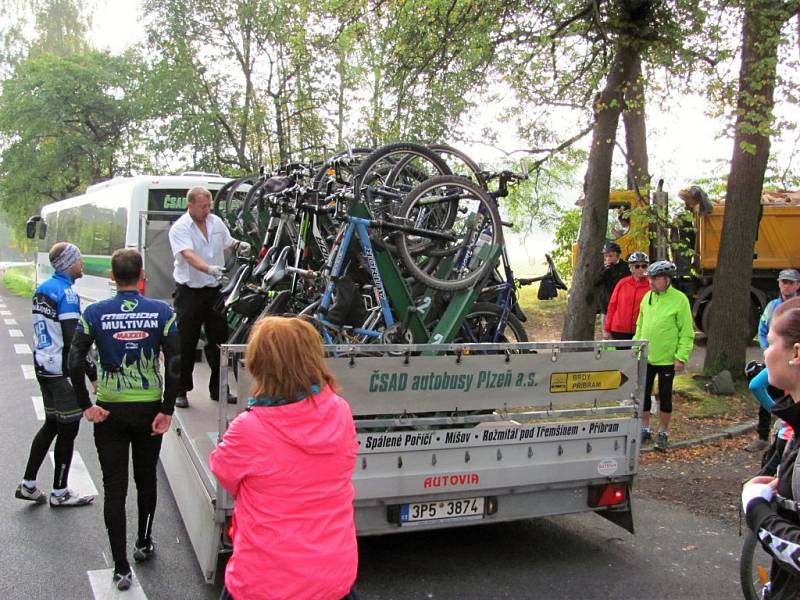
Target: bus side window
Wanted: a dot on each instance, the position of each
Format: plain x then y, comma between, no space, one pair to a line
118,232
52,233
101,240
86,228
69,226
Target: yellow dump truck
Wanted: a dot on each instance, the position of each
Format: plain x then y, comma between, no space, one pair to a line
777,247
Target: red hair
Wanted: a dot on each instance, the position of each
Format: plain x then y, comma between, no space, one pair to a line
285,358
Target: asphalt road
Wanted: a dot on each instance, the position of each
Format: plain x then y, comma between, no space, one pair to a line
49,553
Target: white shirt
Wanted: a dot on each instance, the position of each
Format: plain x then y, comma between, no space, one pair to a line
185,235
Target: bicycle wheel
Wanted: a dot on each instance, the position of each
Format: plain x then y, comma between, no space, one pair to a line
459,208
378,171
460,163
480,326
224,197
241,216
754,567
235,196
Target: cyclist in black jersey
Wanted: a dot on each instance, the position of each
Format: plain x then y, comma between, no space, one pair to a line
134,399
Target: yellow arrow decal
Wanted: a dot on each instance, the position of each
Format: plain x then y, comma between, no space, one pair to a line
586,381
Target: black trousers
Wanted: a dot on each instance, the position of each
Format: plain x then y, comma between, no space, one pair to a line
61,423
194,309
128,427
616,335
666,373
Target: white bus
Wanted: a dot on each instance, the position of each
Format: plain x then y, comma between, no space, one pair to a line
125,212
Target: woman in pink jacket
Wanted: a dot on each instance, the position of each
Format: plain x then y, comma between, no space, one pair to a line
288,462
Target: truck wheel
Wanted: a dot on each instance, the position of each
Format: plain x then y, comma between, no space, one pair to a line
752,321
754,565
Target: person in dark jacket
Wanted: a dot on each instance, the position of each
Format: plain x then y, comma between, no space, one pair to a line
623,308
770,502
614,269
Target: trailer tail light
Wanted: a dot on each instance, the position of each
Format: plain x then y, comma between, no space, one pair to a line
611,494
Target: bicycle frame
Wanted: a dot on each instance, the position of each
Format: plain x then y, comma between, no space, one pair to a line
357,226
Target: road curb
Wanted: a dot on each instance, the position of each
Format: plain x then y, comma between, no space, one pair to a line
728,433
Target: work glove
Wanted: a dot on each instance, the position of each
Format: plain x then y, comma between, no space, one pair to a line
243,249
215,271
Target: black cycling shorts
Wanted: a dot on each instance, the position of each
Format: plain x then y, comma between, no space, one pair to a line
59,399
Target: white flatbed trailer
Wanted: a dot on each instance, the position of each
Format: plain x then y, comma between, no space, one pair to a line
449,436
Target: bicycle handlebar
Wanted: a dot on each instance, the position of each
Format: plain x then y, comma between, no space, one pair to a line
504,175
318,210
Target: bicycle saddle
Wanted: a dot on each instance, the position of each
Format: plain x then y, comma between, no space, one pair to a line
264,263
278,271
276,184
228,287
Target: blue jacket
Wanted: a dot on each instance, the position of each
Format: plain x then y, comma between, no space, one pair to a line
56,310
766,318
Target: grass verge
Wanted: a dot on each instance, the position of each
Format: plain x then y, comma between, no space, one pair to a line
20,280
545,317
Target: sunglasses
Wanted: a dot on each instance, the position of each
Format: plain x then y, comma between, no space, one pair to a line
786,281
638,266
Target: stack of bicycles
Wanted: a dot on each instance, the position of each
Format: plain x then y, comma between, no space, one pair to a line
403,244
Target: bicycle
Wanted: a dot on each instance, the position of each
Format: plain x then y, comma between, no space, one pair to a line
497,322
754,567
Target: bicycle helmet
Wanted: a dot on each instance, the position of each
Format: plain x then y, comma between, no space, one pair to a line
661,267
638,257
611,247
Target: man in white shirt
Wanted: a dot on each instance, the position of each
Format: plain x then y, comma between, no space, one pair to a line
198,240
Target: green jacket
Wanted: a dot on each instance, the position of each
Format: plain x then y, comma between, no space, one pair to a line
665,321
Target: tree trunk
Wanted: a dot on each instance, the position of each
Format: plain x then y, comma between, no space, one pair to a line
582,304
340,101
763,20
280,131
636,133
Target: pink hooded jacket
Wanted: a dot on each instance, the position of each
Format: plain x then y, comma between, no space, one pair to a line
290,468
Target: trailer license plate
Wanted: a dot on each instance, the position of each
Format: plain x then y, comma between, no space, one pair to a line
460,508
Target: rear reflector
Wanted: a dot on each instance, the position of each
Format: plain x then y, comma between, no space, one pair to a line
611,494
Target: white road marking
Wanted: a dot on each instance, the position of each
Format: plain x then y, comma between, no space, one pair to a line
22,349
11,321
16,333
5,313
103,586
28,371
79,479
38,406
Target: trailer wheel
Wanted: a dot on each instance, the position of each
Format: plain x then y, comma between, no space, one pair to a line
752,322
